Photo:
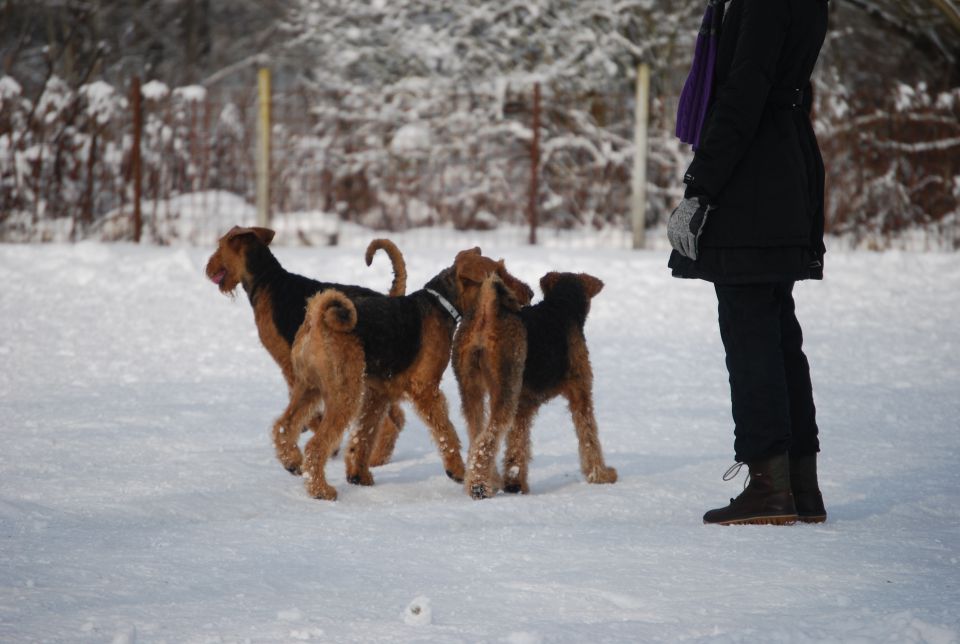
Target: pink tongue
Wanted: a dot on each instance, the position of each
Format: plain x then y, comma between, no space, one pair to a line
219,277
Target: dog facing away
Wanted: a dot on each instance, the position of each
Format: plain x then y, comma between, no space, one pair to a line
521,357
279,300
360,357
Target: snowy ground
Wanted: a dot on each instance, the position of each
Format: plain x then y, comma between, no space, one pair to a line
140,499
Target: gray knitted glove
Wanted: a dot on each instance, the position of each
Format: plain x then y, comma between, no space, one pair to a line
686,225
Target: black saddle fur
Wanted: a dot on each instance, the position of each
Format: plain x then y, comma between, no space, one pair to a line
548,324
289,292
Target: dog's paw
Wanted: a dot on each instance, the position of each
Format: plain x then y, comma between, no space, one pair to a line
360,478
481,491
453,466
515,480
321,490
291,459
602,475
514,487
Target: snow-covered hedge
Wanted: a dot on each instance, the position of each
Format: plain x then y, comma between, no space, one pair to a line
893,169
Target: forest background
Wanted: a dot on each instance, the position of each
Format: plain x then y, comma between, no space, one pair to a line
411,113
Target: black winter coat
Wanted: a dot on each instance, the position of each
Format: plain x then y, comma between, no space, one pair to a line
758,160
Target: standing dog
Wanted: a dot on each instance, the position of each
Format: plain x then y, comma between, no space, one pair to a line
359,357
522,357
279,300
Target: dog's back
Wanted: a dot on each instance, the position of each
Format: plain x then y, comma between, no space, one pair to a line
288,292
391,330
388,329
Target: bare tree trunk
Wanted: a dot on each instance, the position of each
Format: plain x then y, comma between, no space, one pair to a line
190,36
135,171
86,216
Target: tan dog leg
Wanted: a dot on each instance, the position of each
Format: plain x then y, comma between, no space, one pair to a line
357,459
327,436
516,460
386,439
480,462
472,391
585,423
482,477
286,433
431,405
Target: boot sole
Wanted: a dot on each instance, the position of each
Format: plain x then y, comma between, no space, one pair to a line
784,519
818,518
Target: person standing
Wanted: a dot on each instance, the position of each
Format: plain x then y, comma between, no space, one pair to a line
751,222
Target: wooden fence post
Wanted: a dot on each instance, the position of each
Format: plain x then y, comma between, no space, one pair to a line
638,193
533,205
135,171
263,148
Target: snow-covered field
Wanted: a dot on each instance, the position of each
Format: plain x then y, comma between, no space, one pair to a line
140,499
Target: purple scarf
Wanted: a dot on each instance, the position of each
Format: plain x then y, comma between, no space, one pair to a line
698,90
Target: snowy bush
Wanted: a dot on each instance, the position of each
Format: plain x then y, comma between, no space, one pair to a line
894,167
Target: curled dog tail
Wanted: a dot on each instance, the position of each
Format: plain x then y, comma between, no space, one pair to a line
332,309
399,286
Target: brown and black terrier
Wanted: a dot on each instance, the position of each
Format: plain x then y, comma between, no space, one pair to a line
279,300
358,357
521,357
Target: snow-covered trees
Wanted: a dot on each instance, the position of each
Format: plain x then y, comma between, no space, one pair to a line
413,112
895,166
461,77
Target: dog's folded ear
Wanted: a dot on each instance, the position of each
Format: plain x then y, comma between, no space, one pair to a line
265,235
520,290
471,266
592,285
548,281
464,254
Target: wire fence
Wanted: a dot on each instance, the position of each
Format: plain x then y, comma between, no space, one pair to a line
418,157
387,161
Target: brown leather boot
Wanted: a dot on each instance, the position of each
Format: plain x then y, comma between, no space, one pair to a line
766,499
806,490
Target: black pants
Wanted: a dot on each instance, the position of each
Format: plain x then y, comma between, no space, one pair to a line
770,388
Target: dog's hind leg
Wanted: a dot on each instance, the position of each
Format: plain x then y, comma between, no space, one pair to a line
472,393
357,457
516,459
387,433
482,477
324,439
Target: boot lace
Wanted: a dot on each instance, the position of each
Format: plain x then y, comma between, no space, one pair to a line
733,472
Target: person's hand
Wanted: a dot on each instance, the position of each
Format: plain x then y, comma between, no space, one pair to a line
686,225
